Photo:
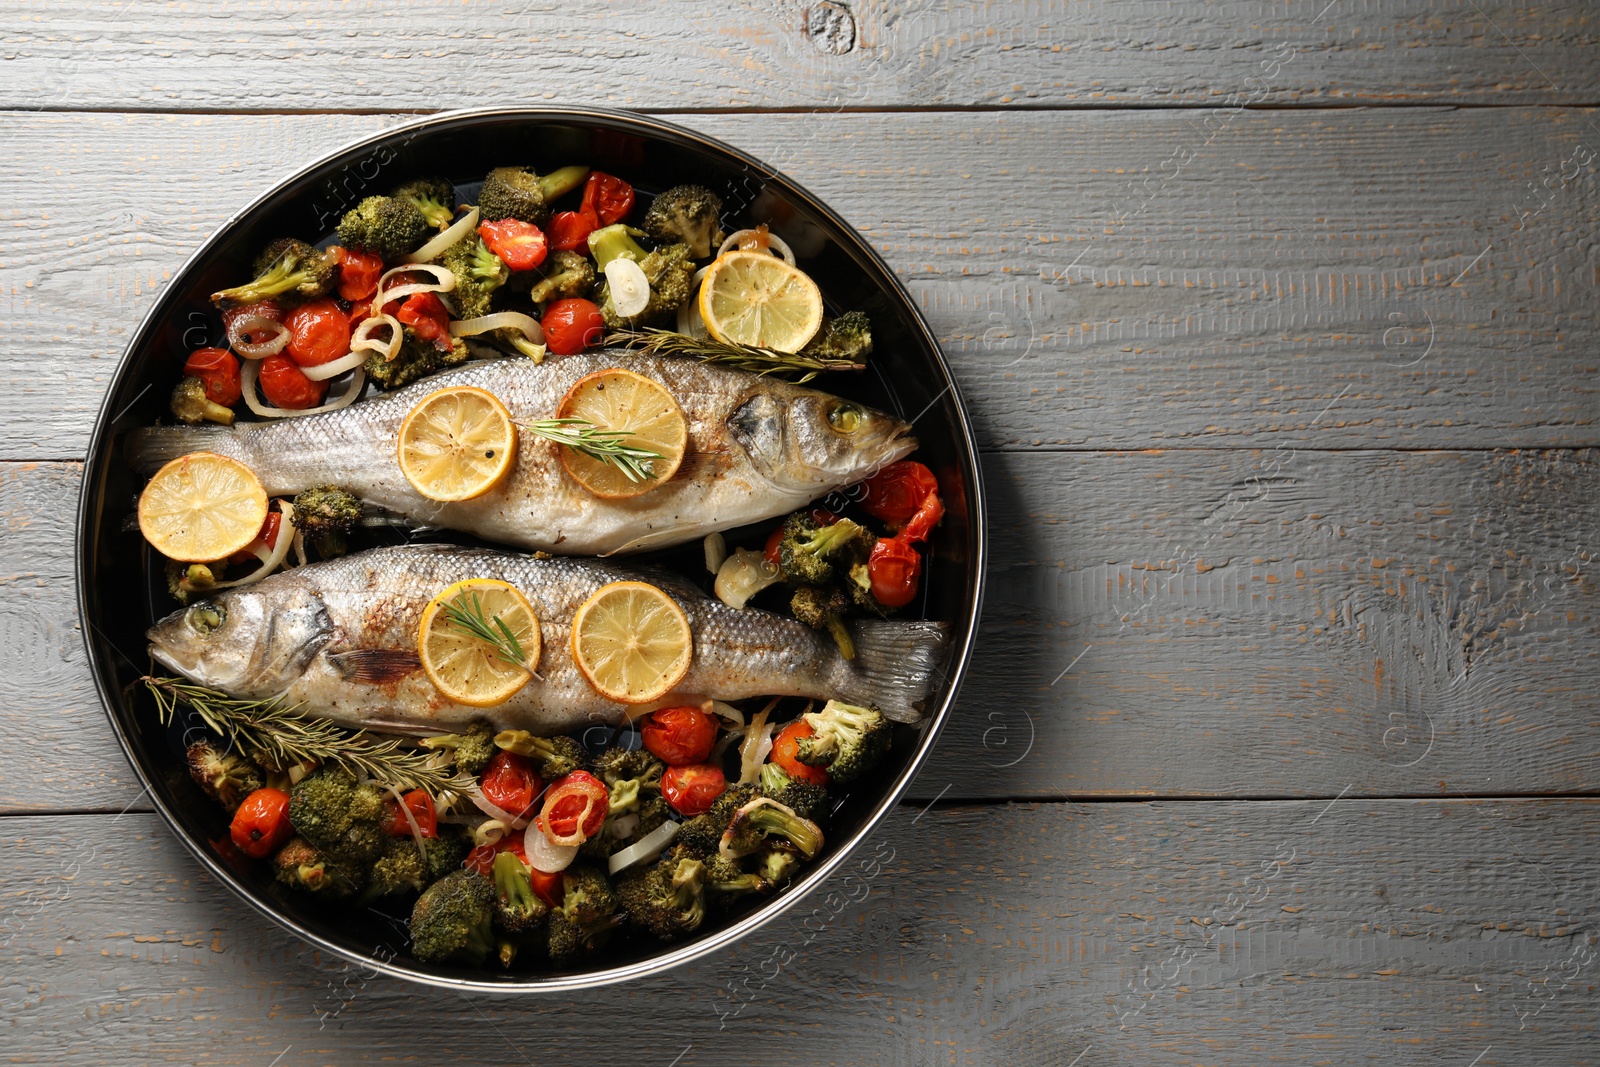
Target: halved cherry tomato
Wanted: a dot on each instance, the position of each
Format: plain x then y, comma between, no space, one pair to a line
691,790
219,369
895,493
786,754
548,886
520,245
267,309
574,808
571,325
610,198
318,333
268,536
569,230
261,825
359,310
511,784
285,385
679,736
358,273
426,314
894,568
421,805
774,546
922,523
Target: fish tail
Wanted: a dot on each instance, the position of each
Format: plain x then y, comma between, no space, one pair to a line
149,447
894,666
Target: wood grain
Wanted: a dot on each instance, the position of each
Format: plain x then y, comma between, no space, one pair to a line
1185,623
1148,934
794,54
1102,293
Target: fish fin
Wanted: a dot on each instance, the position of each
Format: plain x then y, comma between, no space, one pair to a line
376,665
148,448
894,666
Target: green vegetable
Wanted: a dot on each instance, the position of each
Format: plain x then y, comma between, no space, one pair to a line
417,358
434,197
400,869
634,779
822,607
587,915
226,777
479,275
613,242
389,226
452,920
471,750
812,553
669,897
326,514
702,834
300,866
670,272
686,213
847,740
552,756
288,270
517,909
566,274
807,799
190,404
759,819
513,193
848,337
339,817
726,880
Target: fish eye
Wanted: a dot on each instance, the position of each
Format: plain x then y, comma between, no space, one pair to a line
205,618
846,418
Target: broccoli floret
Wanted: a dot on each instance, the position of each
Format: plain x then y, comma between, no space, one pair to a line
338,816
703,834
225,777
615,242
434,197
479,273
668,898
822,607
517,908
588,913
387,225
190,404
812,553
326,514
846,739
687,213
452,919
399,869
471,750
446,852
847,337
566,274
417,358
807,799
669,270
762,818
188,580
519,193
289,271
634,779
300,866
726,880
776,865
554,756
622,764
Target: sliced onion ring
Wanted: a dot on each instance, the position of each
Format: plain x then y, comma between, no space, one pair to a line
444,282
646,848
489,808
627,287
458,229
773,242
515,320
334,367
543,854
247,385
363,341
248,324
280,552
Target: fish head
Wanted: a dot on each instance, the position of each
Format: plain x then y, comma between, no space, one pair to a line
804,440
249,642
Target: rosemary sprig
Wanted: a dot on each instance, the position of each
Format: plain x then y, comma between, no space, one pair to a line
273,734
607,446
465,613
658,342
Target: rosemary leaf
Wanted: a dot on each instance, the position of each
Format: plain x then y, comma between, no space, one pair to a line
607,446
465,613
658,342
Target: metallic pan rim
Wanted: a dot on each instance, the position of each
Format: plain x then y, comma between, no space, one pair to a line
632,123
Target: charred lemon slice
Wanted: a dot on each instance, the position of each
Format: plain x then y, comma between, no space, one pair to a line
633,412
752,298
632,642
479,642
458,443
202,507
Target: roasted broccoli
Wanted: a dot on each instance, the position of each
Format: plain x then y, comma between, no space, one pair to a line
471,750
479,273
516,193
725,880
390,226
846,739
566,274
588,913
326,514
452,920
446,852
669,897
687,213
822,607
847,337
762,818
338,816
813,553
399,869
434,197
703,834
287,270
634,779
418,357
616,242
554,756
517,909
225,777
670,272
299,865
617,764
190,404
807,799
777,865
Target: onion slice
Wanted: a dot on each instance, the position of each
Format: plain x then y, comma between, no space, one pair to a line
411,820
716,548
248,324
627,287
444,282
643,850
543,854
252,371
488,807
773,242
457,230
363,341
280,552
515,320
334,367
757,743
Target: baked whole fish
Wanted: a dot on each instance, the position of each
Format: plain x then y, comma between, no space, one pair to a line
340,637
758,448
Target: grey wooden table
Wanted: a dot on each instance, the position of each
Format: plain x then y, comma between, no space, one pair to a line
1278,322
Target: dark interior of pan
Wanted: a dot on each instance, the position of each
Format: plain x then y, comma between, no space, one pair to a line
122,588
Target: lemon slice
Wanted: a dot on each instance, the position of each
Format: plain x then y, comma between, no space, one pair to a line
617,399
465,666
457,443
632,642
202,507
752,298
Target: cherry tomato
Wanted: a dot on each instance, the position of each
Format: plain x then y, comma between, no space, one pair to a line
318,333
267,309
678,736
895,493
922,523
786,754
610,198
511,784
359,310
691,790
894,568
548,886
268,536
426,314
421,805
219,369
358,273
261,825
571,325
574,808
286,386
569,230
481,859
774,546
520,245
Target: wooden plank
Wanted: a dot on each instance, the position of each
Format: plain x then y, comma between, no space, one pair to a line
1189,623
1091,288
1053,53
1265,933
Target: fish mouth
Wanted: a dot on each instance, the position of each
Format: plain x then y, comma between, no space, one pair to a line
170,658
